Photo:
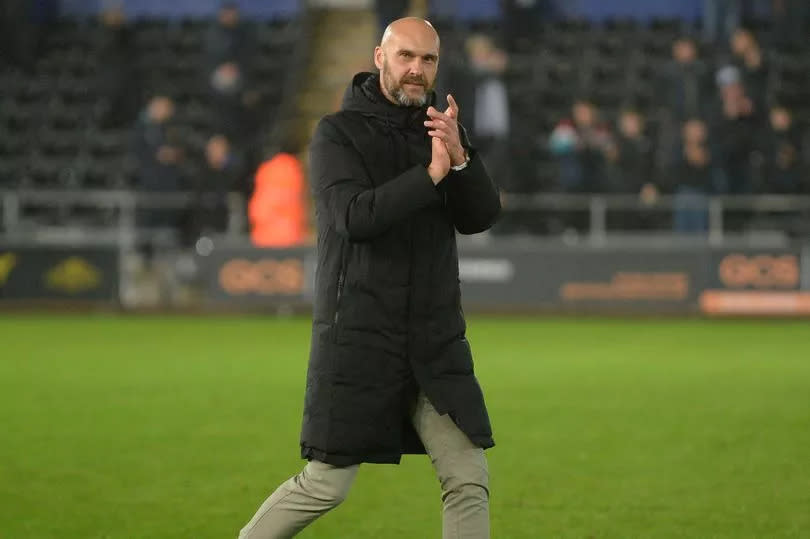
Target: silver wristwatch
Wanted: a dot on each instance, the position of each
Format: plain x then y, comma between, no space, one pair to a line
463,165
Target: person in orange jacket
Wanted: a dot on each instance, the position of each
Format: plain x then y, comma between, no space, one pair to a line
277,209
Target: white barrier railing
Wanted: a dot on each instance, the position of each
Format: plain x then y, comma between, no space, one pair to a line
125,203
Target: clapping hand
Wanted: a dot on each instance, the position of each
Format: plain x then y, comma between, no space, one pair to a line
444,126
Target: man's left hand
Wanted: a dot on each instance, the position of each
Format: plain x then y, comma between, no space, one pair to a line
444,126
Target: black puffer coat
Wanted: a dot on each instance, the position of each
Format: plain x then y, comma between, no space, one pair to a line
387,317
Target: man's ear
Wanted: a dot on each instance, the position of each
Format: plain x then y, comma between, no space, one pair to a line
378,57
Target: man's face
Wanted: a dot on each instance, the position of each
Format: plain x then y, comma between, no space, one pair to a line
216,151
694,132
741,42
780,119
161,109
229,17
408,62
584,114
684,51
630,124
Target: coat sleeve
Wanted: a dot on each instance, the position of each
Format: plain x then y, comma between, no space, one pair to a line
358,210
472,197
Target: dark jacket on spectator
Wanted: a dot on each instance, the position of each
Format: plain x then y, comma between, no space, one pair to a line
223,44
118,80
693,177
633,165
684,88
387,317
755,82
154,175
210,214
782,162
733,143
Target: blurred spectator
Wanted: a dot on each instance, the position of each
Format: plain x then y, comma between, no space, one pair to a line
277,208
720,19
734,130
631,155
630,170
158,159
232,104
781,149
749,59
118,80
790,21
489,121
692,183
580,146
228,40
221,175
522,22
19,35
693,132
684,81
388,11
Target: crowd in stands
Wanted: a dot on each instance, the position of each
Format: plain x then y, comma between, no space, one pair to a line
625,108
555,106
153,105
231,151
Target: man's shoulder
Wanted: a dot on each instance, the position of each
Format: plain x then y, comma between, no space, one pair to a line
342,118
341,125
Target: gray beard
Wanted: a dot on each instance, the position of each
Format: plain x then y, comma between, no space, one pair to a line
403,99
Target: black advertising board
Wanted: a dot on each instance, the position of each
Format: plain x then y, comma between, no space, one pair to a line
557,279
57,273
582,279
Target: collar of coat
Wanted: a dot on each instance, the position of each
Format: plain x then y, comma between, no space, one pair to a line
364,95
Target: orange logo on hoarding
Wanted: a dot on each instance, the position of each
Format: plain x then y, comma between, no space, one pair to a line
266,276
631,286
760,271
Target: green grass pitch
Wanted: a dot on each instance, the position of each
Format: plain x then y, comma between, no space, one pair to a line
178,427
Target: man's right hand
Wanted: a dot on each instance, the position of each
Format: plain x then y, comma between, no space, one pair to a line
440,165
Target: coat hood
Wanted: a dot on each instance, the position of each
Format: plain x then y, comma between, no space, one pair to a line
364,96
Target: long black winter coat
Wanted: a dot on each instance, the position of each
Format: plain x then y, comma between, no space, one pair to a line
387,316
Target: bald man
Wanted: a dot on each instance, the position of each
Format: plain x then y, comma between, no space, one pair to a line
390,369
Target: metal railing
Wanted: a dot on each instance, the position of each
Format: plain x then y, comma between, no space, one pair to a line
599,206
125,204
124,230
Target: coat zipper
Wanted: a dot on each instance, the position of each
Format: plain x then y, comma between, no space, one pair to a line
341,279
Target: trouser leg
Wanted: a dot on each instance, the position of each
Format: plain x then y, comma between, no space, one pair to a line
300,500
461,468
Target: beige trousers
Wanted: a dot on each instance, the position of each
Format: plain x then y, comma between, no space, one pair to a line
461,468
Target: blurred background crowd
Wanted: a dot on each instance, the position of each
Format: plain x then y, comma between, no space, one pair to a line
211,107
693,108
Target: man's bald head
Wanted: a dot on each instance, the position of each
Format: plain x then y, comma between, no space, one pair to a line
410,26
408,58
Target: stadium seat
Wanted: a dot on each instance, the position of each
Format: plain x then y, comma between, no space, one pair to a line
65,119
33,92
562,73
107,143
19,118
11,172
621,25
49,172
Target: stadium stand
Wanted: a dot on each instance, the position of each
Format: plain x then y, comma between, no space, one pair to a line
620,64
53,130
56,130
